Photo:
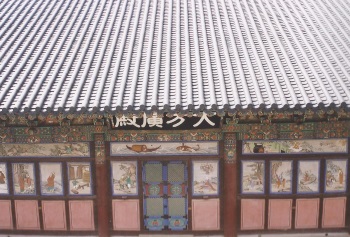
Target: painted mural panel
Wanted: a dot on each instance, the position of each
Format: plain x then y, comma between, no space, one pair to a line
296,146
205,178
308,176
164,148
281,177
51,178
80,149
23,178
253,177
124,177
79,175
4,189
336,175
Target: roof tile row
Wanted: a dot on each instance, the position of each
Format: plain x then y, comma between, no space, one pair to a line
134,55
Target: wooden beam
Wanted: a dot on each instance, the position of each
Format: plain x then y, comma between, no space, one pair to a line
102,186
230,186
102,200
230,200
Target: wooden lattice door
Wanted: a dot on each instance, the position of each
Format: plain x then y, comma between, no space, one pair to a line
165,195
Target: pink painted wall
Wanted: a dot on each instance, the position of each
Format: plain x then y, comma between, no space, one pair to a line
54,215
280,214
126,215
252,214
206,214
307,211
81,215
27,214
334,212
5,215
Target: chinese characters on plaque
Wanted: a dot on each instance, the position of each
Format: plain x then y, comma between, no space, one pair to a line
158,121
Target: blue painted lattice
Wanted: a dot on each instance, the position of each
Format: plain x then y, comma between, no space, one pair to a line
165,203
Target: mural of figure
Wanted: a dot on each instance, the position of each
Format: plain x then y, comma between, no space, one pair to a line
21,183
79,178
329,178
125,179
341,176
51,182
28,180
2,177
336,175
281,175
23,178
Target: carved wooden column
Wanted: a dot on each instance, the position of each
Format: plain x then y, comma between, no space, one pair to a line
230,186
101,186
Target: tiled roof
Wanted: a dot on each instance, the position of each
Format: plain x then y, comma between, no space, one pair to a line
169,55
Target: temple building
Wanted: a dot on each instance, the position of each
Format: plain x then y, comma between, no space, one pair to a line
174,117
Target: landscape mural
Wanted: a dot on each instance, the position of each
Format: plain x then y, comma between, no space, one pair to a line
281,177
205,178
79,149
336,175
253,176
308,176
296,146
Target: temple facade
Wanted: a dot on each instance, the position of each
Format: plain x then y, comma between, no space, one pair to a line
91,175
174,117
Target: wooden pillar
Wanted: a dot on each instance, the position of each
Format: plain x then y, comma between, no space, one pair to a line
230,186
101,187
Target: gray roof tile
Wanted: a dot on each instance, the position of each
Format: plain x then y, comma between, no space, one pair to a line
173,55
